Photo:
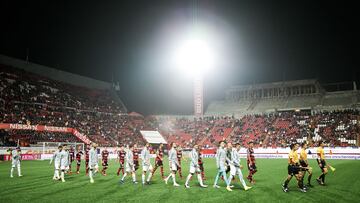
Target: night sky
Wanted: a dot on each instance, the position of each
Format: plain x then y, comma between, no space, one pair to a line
123,41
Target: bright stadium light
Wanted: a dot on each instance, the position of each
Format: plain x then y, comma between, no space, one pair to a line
194,55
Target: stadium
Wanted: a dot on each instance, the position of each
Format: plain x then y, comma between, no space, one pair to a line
181,114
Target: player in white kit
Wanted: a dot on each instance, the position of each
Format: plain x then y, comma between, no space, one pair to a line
64,162
16,159
173,164
221,165
235,166
146,164
194,167
129,165
93,162
56,159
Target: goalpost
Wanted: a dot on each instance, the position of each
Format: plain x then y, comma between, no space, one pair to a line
48,148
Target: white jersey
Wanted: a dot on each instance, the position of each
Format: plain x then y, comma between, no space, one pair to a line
145,156
194,158
235,157
16,157
221,158
64,158
129,158
93,157
56,157
173,157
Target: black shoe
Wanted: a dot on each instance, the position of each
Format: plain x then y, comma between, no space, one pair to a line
285,189
147,183
121,182
319,181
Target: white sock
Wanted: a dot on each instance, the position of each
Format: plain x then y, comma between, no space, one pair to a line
167,178
200,179
11,171
242,179
188,179
62,176
134,177
122,179
19,170
173,177
230,179
149,177
91,174
143,178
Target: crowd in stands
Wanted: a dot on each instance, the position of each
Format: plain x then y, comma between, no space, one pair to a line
30,99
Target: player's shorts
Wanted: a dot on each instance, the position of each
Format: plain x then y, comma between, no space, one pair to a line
293,170
252,167
129,168
201,166
158,163
303,164
78,162
194,169
173,167
233,170
323,164
64,168
57,166
105,163
147,167
93,166
136,165
15,163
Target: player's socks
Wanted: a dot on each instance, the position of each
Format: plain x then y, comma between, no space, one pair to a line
123,177
12,172
134,177
149,177
167,178
216,178
230,178
143,178
62,176
19,171
162,171
201,181
309,179
174,180
187,180
118,172
286,183
203,175
243,181
323,178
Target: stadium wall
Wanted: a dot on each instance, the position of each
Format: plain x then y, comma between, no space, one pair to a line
54,74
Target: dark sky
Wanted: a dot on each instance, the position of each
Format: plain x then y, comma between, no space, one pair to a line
118,40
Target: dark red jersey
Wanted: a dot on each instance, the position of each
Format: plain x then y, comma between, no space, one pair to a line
72,154
105,155
136,155
179,155
78,155
159,155
87,154
250,155
200,159
121,155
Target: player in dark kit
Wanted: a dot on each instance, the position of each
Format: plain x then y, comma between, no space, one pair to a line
78,161
121,157
87,149
179,157
105,158
201,166
72,157
159,161
251,162
136,157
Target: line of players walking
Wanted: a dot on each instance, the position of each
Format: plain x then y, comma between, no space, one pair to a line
227,160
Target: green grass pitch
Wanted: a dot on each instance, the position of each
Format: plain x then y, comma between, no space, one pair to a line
37,185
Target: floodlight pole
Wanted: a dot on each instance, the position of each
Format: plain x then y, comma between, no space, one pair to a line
198,96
